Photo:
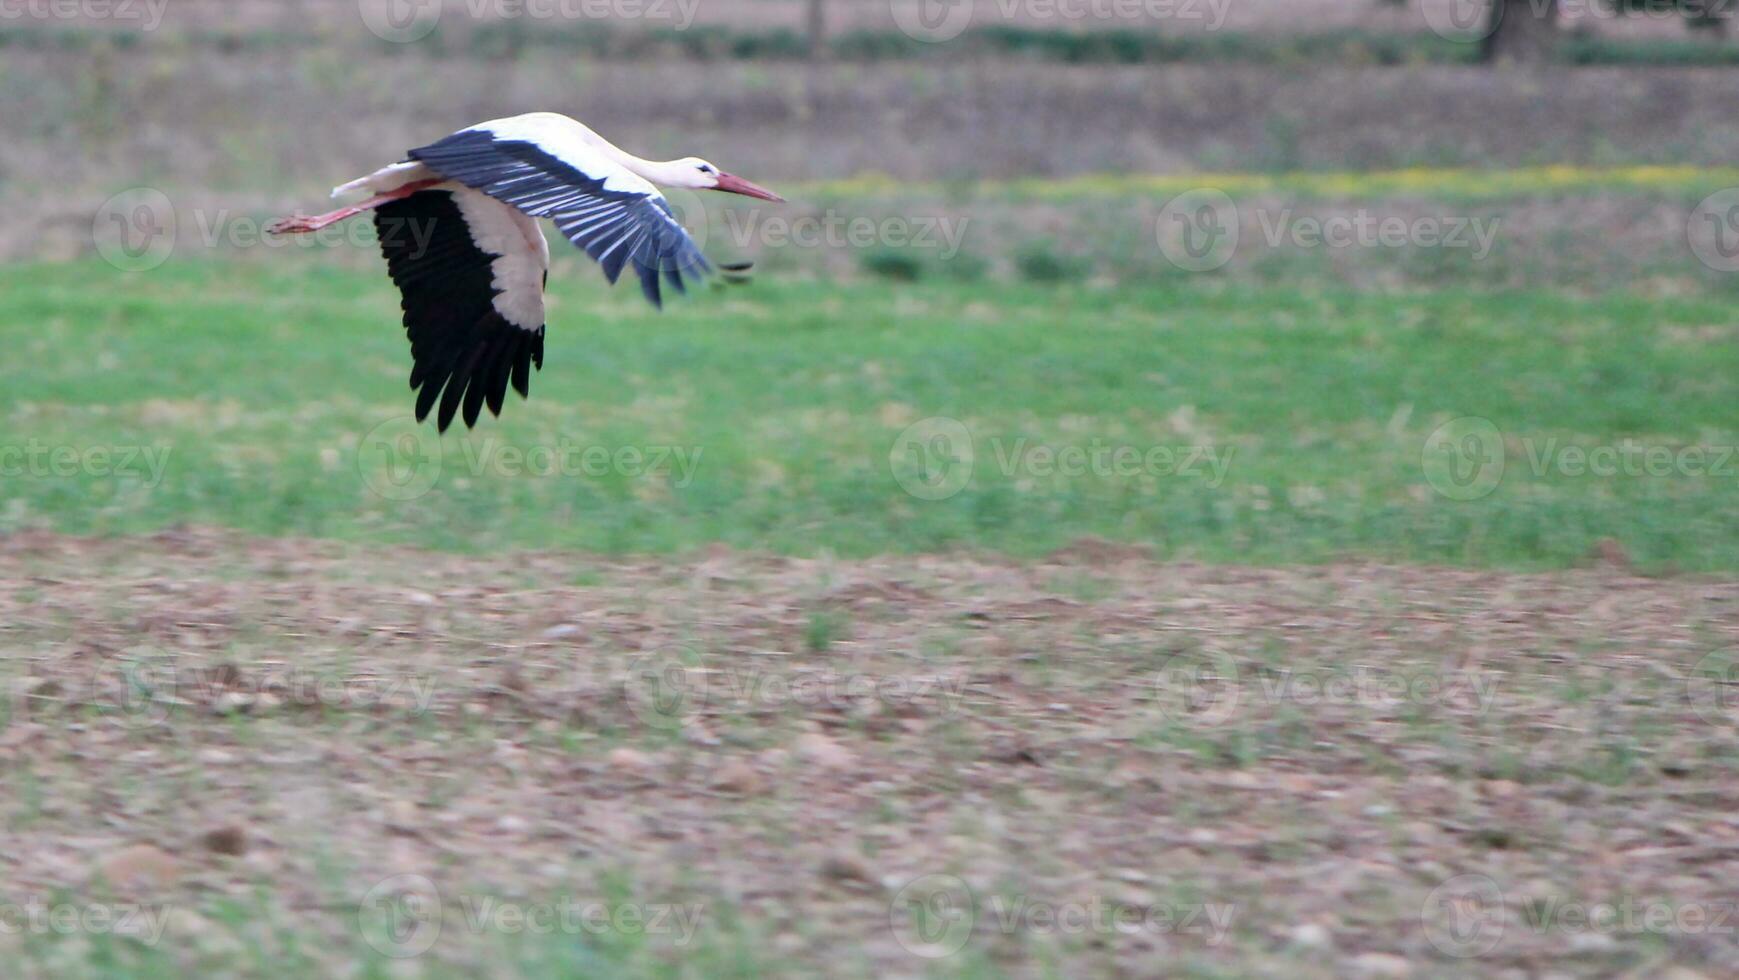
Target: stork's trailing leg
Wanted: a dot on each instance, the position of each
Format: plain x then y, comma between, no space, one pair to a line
301,224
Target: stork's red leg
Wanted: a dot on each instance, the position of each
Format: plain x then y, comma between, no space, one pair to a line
301,224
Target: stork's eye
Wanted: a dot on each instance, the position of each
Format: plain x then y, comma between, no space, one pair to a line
706,168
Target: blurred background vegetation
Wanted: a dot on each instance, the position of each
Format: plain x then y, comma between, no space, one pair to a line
251,108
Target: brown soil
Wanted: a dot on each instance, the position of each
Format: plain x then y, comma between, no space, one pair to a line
1317,751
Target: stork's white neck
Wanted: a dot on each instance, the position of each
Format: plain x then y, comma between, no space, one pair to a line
639,166
664,173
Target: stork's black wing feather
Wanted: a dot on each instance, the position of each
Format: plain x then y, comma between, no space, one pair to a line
465,352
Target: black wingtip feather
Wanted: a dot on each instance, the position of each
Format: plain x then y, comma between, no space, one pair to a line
426,399
499,372
522,376
612,265
474,401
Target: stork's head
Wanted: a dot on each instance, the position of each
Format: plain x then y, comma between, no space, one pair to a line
698,174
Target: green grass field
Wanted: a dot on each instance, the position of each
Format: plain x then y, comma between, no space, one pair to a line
233,697
1226,423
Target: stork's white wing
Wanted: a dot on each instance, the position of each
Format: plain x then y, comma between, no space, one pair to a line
550,172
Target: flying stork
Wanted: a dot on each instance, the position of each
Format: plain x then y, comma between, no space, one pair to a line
457,223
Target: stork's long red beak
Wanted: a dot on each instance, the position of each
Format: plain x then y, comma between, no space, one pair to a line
733,184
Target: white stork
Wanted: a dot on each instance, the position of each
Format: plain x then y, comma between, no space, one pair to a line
457,225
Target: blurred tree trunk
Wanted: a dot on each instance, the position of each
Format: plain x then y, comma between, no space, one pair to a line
1521,31
816,28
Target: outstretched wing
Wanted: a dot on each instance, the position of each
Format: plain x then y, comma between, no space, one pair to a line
471,271
545,171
